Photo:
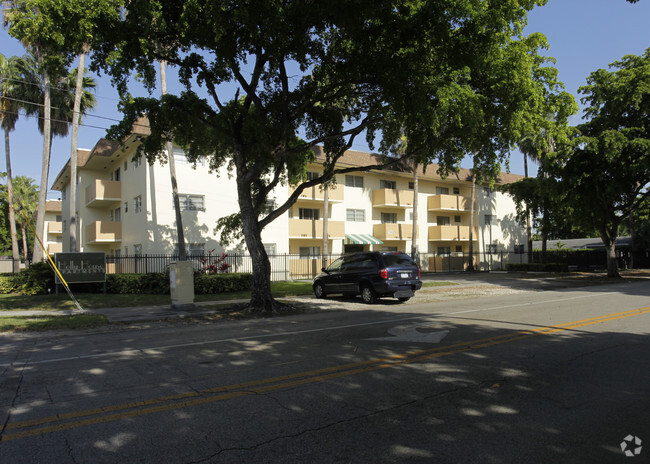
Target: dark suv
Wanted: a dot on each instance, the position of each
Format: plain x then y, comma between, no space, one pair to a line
372,274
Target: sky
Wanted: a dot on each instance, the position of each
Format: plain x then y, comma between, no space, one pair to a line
583,36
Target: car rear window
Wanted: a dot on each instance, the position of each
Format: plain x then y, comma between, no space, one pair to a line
398,261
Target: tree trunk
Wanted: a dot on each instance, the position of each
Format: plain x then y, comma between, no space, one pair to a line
414,234
326,205
262,301
24,232
10,206
37,255
182,252
72,202
529,231
470,266
609,240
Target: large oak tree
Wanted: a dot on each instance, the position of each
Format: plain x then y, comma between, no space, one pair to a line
267,80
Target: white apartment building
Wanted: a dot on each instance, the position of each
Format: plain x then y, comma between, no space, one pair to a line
52,235
124,207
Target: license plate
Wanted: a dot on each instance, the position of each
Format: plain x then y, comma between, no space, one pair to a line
405,275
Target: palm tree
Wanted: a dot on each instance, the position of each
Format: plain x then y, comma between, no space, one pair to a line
59,99
26,199
8,117
527,148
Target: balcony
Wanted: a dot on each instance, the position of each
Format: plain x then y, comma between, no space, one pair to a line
439,233
103,232
54,248
102,193
393,231
309,228
316,194
55,228
389,198
449,203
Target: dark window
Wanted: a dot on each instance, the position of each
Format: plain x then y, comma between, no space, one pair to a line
393,260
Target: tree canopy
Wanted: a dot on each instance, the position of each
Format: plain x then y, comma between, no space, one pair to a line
265,81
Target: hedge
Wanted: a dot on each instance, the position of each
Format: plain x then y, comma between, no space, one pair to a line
537,267
38,278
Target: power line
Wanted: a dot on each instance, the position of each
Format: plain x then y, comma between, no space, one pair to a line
22,81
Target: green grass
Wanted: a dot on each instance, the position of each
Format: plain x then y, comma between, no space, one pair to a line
62,301
438,284
41,323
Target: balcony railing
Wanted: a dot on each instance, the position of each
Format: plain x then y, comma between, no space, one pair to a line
437,233
334,195
389,198
449,203
104,232
393,231
55,228
309,228
101,193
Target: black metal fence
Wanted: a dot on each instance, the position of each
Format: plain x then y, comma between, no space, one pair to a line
293,266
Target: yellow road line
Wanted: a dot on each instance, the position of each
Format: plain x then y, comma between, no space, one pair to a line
223,393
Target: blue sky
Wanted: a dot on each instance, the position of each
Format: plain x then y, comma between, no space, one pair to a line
583,35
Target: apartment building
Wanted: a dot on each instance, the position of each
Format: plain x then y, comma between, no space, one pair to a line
52,235
124,207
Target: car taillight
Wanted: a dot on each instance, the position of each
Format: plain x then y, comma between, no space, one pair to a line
383,273
419,273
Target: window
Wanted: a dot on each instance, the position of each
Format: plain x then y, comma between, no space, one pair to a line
489,220
486,191
354,181
59,218
181,158
389,218
126,165
355,215
63,226
442,190
312,175
444,250
309,252
116,253
519,249
126,251
308,213
270,248
137,204
126,206
492,248
456,190
116,175
137,250
443,220
192,249
388,248
457,219
411,185
388,184
191,202
459,248
116,216
137,161
411,216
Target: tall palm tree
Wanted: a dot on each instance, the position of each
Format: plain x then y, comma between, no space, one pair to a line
8,118
26,199
527,148
59,94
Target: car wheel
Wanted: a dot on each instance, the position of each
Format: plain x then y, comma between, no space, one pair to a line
406,298
368,294
319,290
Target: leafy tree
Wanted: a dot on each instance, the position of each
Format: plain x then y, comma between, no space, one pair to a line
266,81
25,195
607,167
55,33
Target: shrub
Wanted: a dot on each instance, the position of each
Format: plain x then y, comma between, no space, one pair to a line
537,267
153,283
8,284
221,283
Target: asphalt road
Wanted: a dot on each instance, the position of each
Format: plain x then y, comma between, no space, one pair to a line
559,376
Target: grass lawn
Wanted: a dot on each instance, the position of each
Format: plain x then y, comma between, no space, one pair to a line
40,323
98,300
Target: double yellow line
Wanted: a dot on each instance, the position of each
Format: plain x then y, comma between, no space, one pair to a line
44,425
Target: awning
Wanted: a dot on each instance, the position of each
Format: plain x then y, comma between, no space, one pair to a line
362,239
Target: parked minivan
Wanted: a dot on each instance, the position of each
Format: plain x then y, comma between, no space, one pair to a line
371,274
